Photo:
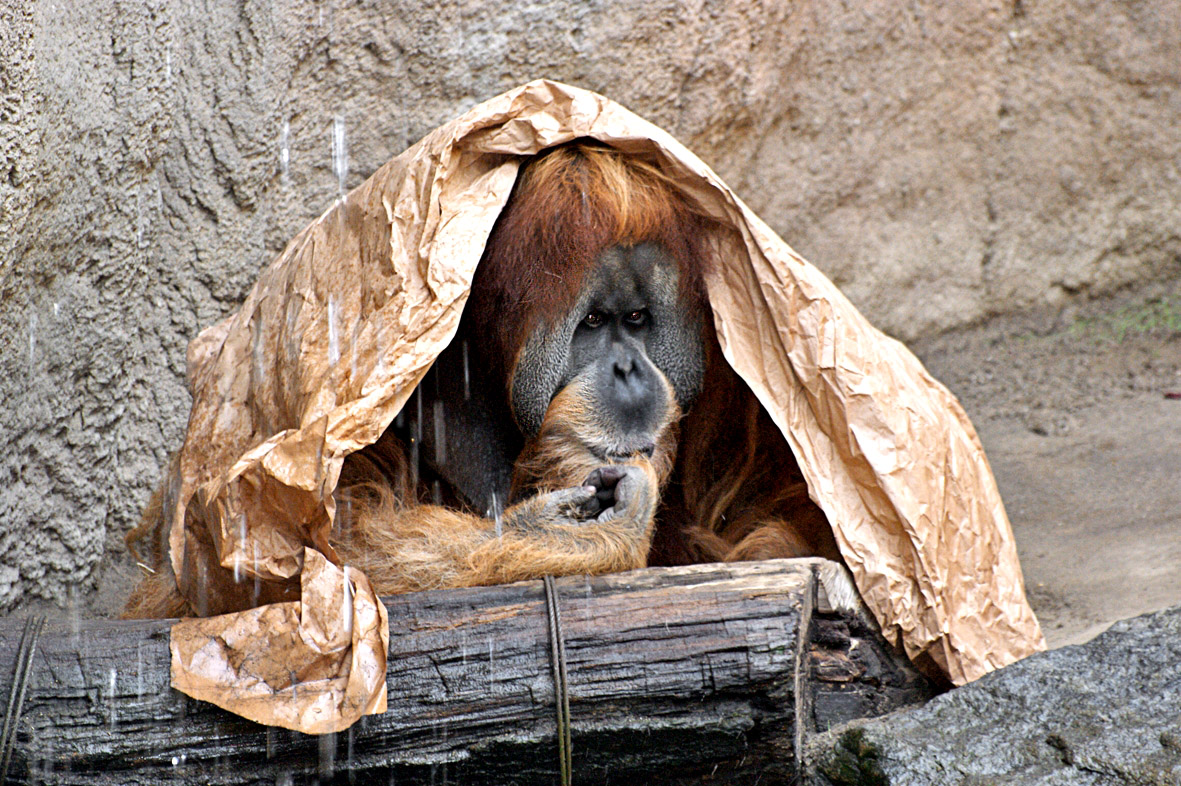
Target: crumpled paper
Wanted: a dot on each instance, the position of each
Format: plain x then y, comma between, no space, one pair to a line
323,663
340,329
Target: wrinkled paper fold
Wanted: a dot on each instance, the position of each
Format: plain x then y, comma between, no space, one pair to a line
339,330
323,665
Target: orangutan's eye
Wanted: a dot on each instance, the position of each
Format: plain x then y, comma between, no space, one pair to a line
637,318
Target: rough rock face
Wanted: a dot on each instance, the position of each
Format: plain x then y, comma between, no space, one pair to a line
965,158
1105,712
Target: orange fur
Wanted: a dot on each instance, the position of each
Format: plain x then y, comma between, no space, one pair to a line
735,476
156,595
729,490
408,548
404,547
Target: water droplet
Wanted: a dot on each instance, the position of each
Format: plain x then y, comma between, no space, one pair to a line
340,153
319,461
586,607
112,677
285,149
413,465
139,219
496,515
327,755
347,606
467,384
415,438
353,351
139,670
293,332
257,579
344,522
239,547
202,595
259,357
333,332
32,338
440,434
418,413
73,616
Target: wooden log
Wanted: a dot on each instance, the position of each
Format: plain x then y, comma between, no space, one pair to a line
850,671
675,675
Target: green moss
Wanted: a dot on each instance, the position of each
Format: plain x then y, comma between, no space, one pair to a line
853,761
1159,316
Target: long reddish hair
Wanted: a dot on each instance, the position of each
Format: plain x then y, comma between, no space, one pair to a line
733,475
569,204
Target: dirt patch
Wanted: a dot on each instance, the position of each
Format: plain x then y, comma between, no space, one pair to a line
1080,413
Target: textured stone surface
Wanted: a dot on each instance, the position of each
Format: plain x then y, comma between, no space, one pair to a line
940,161
1105,712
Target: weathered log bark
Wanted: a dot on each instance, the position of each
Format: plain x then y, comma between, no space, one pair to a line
677,674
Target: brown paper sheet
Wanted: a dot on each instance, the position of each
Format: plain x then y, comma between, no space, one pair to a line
340,329
322,666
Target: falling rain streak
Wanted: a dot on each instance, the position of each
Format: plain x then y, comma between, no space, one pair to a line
353,350
327,745
333,332
415,438
285,149
440,434
257,578
258,358
73,615
340,153
347,606
494,513
112,678
238,548
349,761
139,670
139,219
467,383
